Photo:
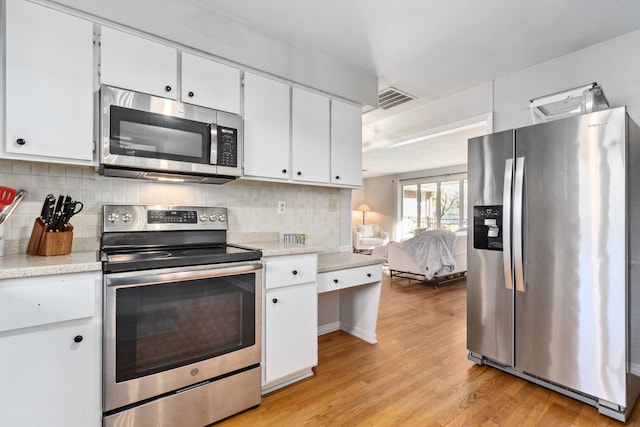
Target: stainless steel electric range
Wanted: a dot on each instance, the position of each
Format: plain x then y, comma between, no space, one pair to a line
182,317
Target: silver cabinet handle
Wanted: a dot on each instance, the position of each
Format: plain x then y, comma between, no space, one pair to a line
518,200
506,223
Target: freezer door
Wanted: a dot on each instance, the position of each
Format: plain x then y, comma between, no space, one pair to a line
489,295
570,306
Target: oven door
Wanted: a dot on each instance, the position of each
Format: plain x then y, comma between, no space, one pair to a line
168,329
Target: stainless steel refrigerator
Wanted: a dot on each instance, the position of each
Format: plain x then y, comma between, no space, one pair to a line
554,259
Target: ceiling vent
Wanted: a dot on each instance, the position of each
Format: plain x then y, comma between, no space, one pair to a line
392,97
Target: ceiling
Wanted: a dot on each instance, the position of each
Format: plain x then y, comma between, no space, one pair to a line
432,49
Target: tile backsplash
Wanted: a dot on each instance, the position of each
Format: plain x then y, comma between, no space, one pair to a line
252,205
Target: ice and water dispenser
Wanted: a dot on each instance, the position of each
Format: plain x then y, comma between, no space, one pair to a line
487,227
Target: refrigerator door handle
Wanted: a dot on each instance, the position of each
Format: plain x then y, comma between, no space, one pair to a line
518,200
506,223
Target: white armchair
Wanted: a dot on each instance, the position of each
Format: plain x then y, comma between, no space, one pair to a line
366,237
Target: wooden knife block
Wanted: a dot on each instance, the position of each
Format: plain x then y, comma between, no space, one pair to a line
43,242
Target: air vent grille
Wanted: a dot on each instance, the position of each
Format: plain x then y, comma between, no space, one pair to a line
392,97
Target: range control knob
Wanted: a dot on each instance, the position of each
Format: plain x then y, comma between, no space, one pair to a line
126,217
213,218
204,217
222,217
113,217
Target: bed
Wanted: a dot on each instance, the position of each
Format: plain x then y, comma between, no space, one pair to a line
401,264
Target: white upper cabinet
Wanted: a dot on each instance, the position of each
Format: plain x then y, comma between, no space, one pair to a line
131,62
346,144
290,134
49,85
266,128
210,84
310,136
143,65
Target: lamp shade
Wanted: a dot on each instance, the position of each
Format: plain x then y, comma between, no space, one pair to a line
363,208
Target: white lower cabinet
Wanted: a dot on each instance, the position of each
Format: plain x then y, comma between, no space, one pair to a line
349,300
50,340
290,342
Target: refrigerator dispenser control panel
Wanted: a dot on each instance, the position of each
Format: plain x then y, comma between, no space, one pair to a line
487,227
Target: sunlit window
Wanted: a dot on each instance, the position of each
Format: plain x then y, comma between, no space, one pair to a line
435,203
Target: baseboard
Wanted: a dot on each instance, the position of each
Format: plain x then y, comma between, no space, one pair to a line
268,388
328,327
369,337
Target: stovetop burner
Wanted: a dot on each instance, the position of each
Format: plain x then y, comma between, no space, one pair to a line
149,237
177,257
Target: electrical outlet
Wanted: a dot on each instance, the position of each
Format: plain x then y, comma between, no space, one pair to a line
333,205
282,207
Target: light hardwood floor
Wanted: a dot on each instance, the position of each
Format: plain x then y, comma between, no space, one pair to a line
416,375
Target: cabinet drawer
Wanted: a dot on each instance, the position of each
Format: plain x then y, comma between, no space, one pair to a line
340,279
48,299
290,270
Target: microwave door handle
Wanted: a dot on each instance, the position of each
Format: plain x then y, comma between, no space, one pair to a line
213,146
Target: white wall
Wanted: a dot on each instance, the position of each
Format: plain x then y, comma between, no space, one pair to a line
614,64
412,121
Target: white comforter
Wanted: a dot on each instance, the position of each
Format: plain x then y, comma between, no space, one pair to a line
432,251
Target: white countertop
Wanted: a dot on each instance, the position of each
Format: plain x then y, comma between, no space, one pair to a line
332,261
279,248
327,261
21,265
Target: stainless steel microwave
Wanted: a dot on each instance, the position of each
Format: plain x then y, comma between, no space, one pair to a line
144,136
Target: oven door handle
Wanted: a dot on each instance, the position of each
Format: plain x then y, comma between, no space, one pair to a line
182,274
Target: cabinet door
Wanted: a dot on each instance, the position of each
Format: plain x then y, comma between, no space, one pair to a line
309,136
49,379
49,83
210,84
135,63
50,346
266,127
291,321
346,144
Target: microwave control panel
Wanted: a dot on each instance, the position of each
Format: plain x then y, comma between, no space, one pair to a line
227,147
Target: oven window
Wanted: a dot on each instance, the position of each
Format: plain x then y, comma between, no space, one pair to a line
160,327
137,133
